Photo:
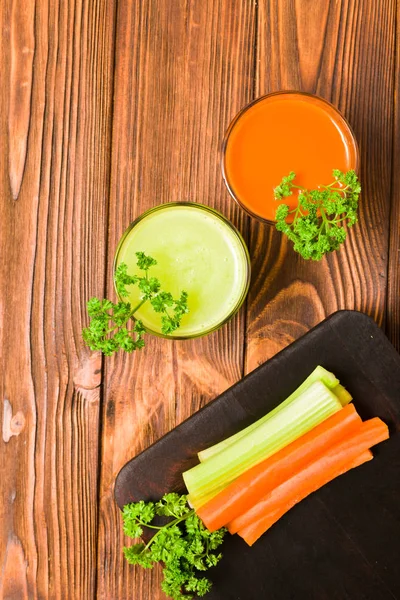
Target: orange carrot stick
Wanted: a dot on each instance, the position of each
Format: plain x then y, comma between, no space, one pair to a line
255,483
255,529
324,468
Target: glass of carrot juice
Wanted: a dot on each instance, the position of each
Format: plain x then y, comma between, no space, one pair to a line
279,133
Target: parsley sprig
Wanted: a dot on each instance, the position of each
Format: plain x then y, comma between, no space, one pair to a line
320,215
113,325
183,544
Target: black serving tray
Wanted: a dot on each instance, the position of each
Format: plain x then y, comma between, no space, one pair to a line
342,542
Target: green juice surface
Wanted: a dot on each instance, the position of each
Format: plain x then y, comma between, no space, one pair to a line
196,251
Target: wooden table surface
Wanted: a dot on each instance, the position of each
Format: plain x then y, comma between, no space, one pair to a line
108,108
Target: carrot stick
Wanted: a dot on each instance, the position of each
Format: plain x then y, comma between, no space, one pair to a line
255,483
255,529
324,468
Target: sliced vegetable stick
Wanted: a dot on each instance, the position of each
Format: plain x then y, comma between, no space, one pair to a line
255,529
196,502
342,394
323,469
252,485
319,374
306,411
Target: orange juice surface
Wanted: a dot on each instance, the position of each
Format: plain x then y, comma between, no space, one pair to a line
281,133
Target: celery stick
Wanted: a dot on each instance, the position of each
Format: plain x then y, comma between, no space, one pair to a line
342,394
195,502
310,408
319,374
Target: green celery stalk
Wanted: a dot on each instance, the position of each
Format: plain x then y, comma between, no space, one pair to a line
319,374
310,408
342,394
195,501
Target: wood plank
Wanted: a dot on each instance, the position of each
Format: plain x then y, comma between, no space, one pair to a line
393,296
54,173
183,69
334,50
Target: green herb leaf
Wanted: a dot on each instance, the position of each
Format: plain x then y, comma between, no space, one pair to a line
145,262
172,505
318,223
162,301
138,555
122,279
184,545
284,189
113,326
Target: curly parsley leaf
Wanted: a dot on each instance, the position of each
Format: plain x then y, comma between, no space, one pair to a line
172,505
317,225
113,326
144,262
122,279
184,545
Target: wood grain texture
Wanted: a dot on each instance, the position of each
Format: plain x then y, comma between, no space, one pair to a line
335,50
55,143
183,69
22,42
393,293
105,113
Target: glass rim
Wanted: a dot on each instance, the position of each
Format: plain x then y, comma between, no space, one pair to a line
250,105
242,243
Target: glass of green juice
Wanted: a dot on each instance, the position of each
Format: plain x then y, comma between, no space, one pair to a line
197,250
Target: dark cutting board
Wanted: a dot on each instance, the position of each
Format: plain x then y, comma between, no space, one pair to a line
343,542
